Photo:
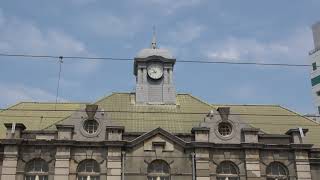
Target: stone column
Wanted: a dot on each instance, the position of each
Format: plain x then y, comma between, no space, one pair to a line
10,160
139,76
144,76
301,156
202,164
252,164
165,75
114,163
170,76
302,165
61,171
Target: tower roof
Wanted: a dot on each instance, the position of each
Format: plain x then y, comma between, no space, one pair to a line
154,50
144,53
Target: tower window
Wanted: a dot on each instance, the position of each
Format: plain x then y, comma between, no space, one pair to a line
314,66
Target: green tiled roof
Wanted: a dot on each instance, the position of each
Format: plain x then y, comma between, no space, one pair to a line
274,119
44,117
180,118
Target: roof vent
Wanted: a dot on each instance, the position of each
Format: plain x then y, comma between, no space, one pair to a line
91,110
224,113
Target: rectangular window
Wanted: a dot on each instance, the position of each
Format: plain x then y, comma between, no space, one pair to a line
319,109
314,66
315,80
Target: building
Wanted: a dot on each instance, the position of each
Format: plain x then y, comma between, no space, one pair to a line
315,71
155,133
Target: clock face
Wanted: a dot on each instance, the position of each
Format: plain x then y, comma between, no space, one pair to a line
155,71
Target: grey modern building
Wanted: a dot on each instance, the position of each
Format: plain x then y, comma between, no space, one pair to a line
155,133
315,71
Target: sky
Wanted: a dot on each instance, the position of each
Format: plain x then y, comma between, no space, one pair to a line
270,31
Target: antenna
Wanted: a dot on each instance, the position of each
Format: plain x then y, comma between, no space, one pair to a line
154,41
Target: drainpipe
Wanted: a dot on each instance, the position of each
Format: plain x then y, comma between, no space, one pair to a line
122,164
193,155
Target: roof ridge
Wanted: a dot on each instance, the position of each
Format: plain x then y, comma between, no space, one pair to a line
274,105
10,107
37,102
105,97
299,115
200,100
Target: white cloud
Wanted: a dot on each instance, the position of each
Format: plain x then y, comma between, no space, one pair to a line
109,25
186,32
13,93
24,37
291,49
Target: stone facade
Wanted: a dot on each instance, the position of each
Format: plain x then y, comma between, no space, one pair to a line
120,156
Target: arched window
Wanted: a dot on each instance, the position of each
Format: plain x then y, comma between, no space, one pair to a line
277,171
227,170
158,170
88,170
36,169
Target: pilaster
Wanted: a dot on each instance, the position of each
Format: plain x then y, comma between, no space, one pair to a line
302,165
62,164
10,161
202,164
252,157
114,163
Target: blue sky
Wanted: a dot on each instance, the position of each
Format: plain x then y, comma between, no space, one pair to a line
253,31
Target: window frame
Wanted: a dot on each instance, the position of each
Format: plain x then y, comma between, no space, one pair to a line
227,175
153,174
277,176
84,174
31,173
314,66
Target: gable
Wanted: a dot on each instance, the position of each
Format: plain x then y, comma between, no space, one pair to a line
274,119
157,136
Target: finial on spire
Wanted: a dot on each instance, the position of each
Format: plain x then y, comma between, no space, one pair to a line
154,41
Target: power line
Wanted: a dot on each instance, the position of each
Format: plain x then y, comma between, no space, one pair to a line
199,61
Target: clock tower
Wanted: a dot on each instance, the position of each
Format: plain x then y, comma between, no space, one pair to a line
153,68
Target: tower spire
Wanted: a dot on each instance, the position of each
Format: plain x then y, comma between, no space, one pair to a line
154,41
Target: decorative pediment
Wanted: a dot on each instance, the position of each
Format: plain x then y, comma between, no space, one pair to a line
87,124
225,127
158,138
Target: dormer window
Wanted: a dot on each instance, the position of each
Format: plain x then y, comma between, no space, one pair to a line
91,126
